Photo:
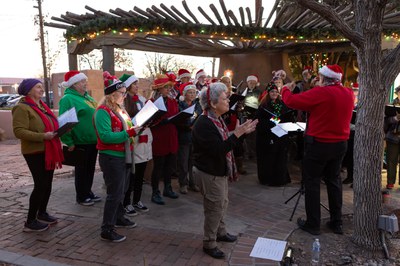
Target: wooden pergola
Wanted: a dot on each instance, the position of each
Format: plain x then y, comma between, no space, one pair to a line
235,39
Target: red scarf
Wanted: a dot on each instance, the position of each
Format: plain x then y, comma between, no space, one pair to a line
223,130
53,156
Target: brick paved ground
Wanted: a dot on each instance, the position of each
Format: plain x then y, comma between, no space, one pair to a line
167,235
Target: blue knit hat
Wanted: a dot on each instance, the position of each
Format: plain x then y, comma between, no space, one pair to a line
26,85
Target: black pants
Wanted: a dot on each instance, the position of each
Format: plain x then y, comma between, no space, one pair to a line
135,184
116,177
163,168
42,180
84,172
323,160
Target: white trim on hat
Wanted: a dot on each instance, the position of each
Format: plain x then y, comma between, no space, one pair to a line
252,77
199,74
74,79
185,75
329,73
130,80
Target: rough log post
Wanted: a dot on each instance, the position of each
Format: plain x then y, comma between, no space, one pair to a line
108,58
73,62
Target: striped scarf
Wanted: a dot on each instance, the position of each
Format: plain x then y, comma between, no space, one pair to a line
223,130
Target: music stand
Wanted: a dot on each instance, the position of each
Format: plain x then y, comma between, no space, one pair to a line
300,192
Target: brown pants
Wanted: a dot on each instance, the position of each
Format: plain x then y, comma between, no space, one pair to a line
215,202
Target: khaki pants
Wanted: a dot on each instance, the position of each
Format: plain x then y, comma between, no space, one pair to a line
215,202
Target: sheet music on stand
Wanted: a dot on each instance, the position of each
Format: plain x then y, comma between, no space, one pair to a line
283,129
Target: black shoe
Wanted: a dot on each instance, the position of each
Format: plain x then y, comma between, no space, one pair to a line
336,228
170,194
123,222
112,236
95,198
46,218
305,227
35,226
227,238
214,252
157,199
348,180
86,202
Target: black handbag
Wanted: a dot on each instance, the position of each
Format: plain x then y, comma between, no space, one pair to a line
73,157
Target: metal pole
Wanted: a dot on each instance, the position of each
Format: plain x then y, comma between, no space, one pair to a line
43,48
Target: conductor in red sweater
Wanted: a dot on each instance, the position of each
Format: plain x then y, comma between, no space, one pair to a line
329,107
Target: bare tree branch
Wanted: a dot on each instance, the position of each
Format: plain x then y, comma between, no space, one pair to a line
391,66
332,17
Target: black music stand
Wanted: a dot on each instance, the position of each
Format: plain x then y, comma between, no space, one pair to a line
300,192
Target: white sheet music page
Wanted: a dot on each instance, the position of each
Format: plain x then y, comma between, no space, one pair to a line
269,249
278,131
160,104
148,110
67,117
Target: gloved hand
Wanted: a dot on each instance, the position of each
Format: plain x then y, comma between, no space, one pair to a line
131,132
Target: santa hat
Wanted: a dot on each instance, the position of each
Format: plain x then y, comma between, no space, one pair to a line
184,88
200,73
252,77
307,69
183,73
111,83
331,71
354,86
72,77
128,79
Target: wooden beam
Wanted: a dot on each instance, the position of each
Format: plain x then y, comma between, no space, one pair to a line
57,25
181,15
271,13
144,13
172,14
215,11
151,12
108,59
206,16
242,16
222,3
156,9
233,17
189,12
259,17
249,16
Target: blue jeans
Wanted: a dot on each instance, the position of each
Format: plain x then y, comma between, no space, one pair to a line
116,177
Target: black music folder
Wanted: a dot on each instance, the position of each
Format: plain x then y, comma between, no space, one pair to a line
67,121
150,112
392,110
182,116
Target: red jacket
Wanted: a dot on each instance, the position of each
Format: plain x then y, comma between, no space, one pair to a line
165,136
330,109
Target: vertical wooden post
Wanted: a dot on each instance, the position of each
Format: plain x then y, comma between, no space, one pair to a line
73,62
108,59
258,7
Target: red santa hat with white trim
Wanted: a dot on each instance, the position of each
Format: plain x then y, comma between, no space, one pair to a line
183,73
331,71
72,77
254,78
354,86
200,73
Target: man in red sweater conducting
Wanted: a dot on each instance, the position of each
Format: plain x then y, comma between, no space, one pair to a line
329,106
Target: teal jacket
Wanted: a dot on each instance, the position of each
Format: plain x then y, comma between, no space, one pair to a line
85,105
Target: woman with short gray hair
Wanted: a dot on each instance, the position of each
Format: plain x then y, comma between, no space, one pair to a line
214,163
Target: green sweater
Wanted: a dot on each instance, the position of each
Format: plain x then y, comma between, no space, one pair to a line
102,121
85,105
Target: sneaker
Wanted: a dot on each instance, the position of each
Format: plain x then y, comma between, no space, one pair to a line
390,186
130,211
140,207
170,194
86,202
112,236
157,199
183,190
35,226
46,218
95,198
336,228
124,222
305,227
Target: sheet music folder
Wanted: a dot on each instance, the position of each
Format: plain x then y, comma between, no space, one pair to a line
150,112
180,117
392,110
67,121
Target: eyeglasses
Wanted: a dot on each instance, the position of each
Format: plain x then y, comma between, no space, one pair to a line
123,93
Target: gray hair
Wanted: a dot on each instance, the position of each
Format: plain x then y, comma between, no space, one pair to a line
216,89
329,81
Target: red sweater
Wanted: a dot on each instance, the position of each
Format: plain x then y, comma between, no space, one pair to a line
330,109
165,136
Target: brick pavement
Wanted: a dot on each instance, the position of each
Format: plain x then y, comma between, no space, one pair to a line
166,235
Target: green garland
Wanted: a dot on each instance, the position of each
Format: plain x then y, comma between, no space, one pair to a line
108,24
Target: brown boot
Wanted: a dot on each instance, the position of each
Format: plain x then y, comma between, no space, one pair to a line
239,165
